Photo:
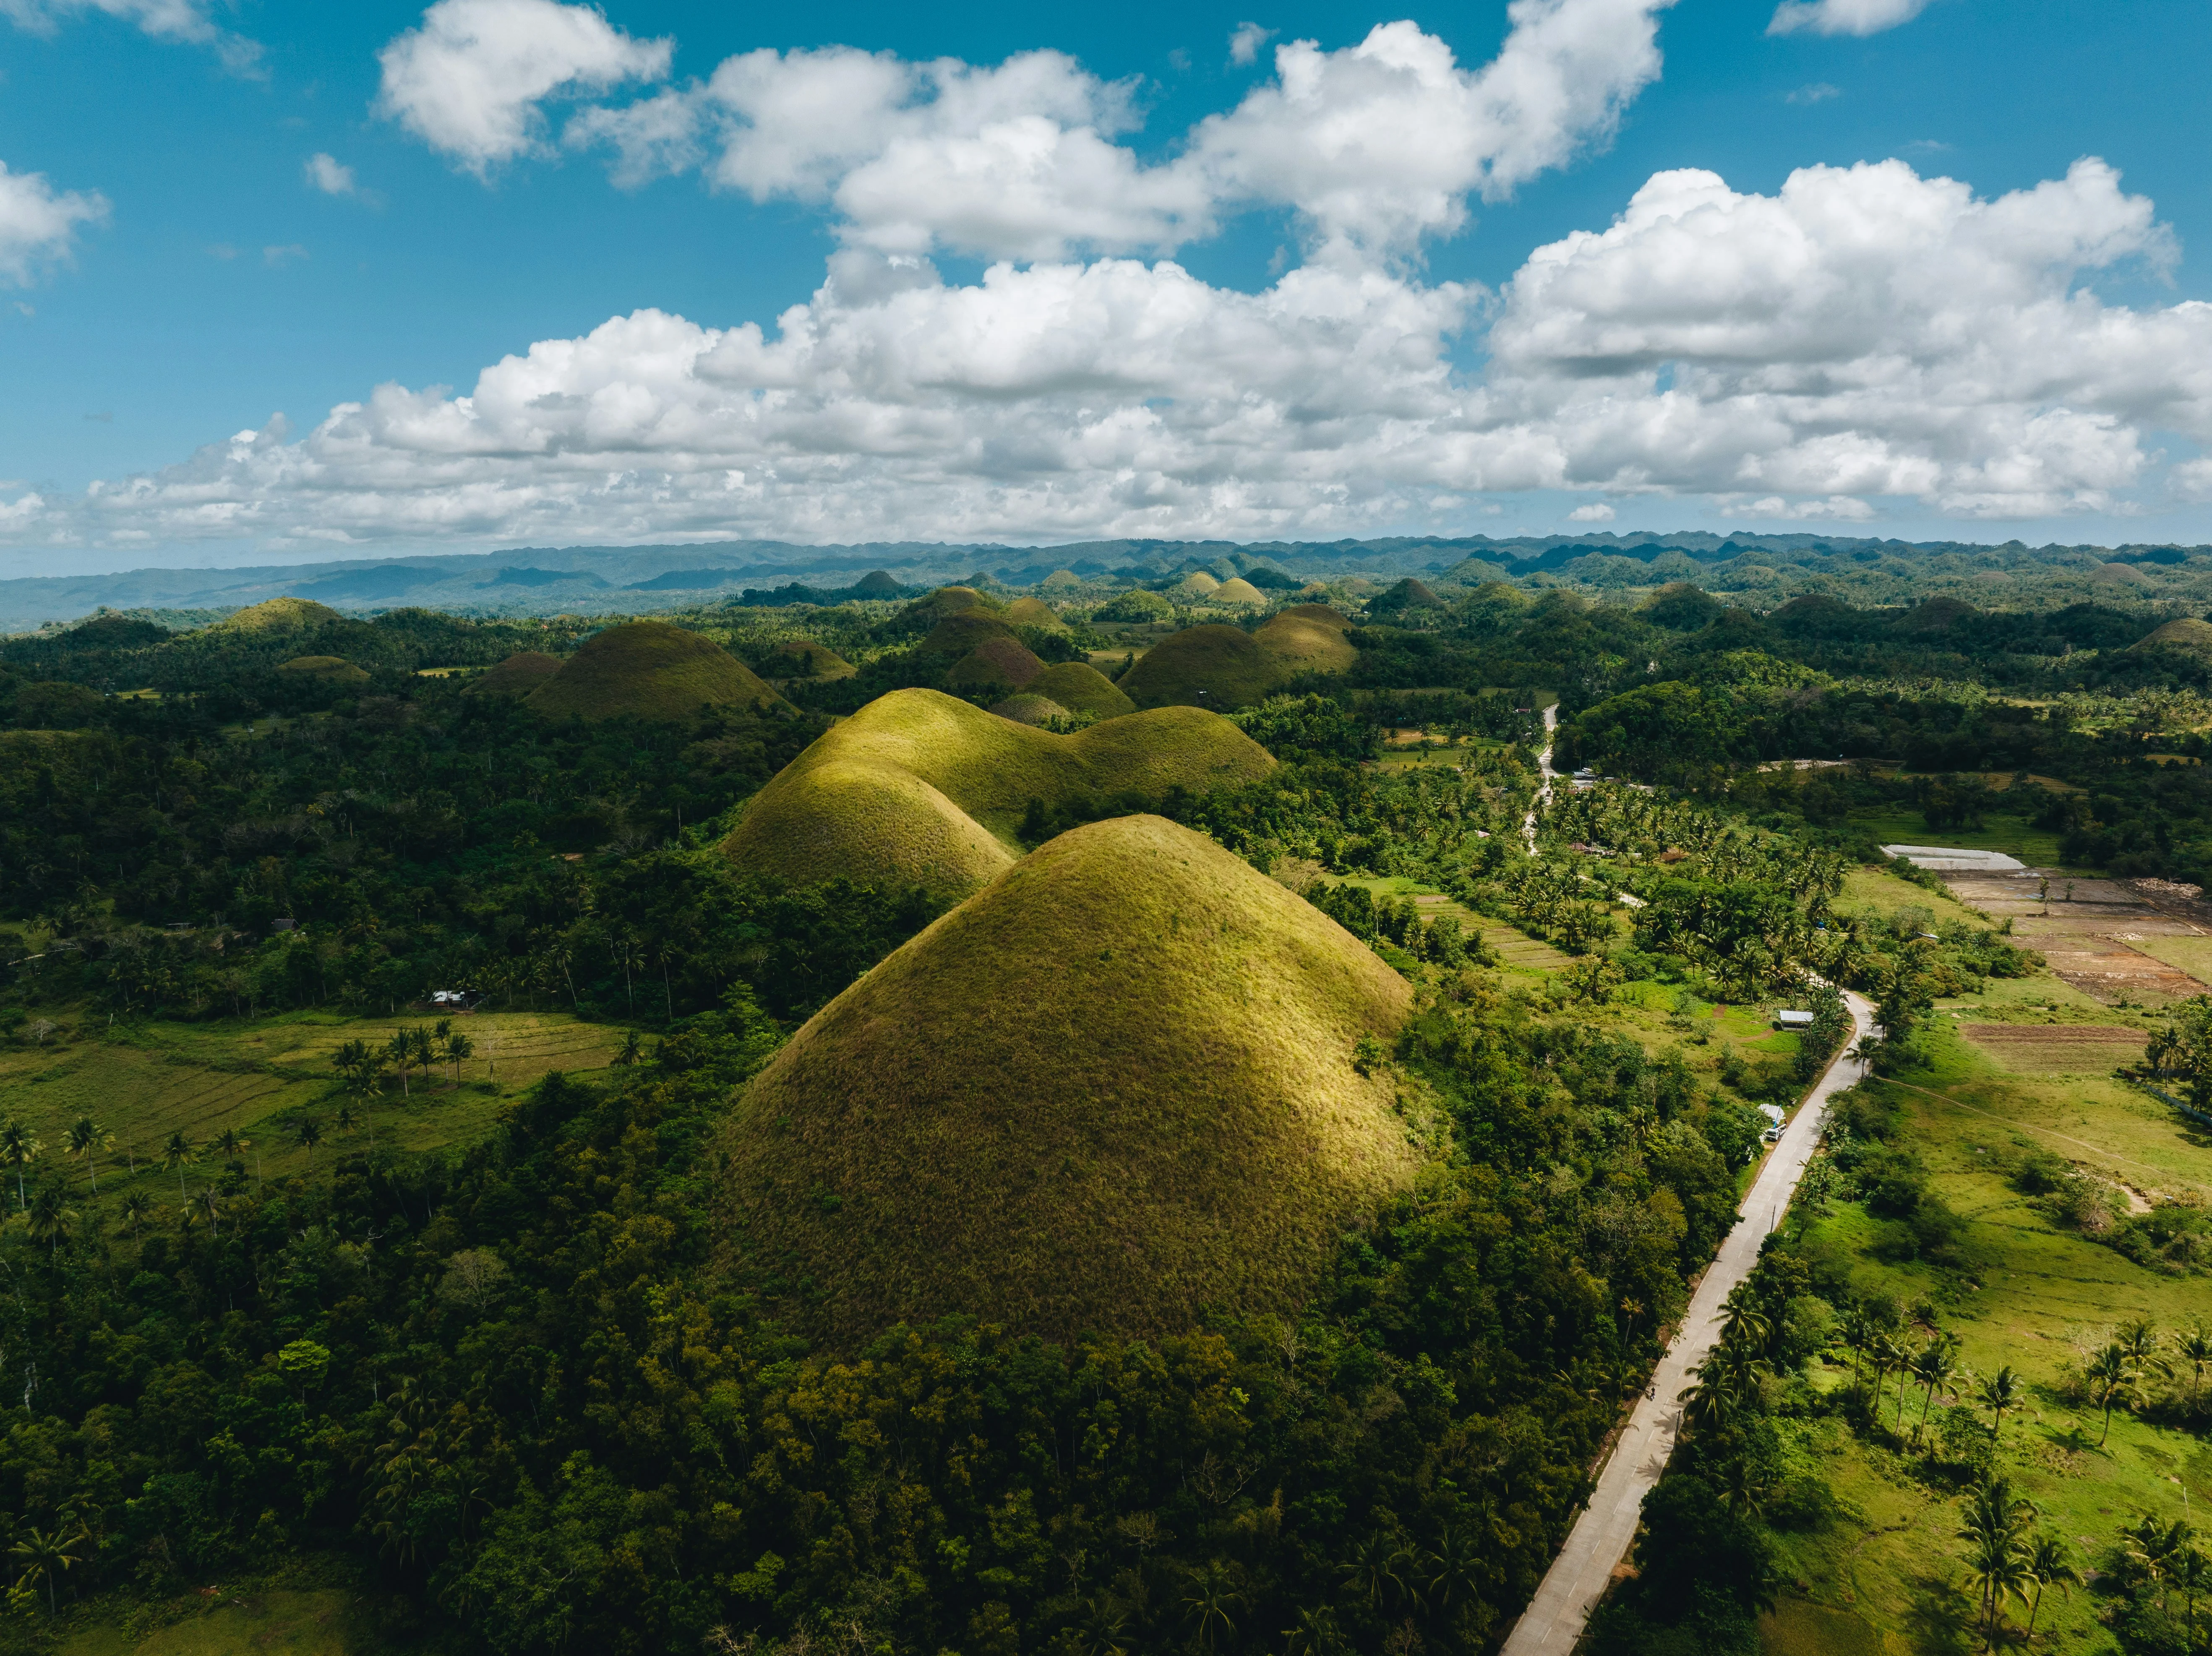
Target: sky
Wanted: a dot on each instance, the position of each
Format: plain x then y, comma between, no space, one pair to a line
280,283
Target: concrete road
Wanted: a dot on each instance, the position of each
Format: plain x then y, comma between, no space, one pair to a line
1602,1536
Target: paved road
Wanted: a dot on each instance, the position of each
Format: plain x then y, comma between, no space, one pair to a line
1546,776
1600,1537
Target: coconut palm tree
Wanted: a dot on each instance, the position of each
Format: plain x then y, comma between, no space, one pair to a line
19,1148
45,1554
420,1049
1933,1370
307,1132
1997,1394
1995,1521
2112,1380
177,1153
137,1204
2192,1573
52,1218
2048,1566
401,1052
2195,1348
2157,1548
347,1120
233,1145
459,1049
87,1139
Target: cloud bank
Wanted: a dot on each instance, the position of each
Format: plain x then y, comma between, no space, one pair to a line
1862,336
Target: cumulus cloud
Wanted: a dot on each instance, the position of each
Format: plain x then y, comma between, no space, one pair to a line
1596,512
469,78
185,21
1375,145
330,175
1245,41
39,223
1859,17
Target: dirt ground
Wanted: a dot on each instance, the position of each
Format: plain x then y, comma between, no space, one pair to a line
2091,933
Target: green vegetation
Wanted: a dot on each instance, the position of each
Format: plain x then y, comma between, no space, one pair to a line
932,792
649,670
1159,1113
803,658
282,616
331,670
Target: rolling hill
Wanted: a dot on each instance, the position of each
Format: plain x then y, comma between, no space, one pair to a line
920,787
805,658
518,676
2187,633
328,669
1081,689
1029,709
1216,666
281,616
648,669
1108,1093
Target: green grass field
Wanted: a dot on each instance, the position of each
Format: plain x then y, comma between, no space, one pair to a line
1885,1577
143,1082
2015,835
283,1622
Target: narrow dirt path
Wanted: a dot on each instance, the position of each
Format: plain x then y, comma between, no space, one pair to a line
1602,1536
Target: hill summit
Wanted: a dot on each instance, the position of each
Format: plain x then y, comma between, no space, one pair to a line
648,669
922,787
1111,1091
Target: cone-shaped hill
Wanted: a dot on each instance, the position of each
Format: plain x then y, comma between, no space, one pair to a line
1226,667
919,786
1034,612
803,658
1241,593
648,669
996,661
281,615
962,632
518,675
1027,709
2187,633
1111,1091
327,669
1082,688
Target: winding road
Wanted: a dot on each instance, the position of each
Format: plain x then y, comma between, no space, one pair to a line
1602,1536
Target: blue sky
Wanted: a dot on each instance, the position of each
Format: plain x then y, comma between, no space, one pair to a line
212,284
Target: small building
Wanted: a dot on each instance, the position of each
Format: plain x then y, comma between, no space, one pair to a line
1793,1020
458,997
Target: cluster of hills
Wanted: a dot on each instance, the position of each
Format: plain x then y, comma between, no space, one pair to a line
1763,569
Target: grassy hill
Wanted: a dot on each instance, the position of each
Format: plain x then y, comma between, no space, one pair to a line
2187,633
518,675
1309,638
1029,709
803,658
1112,1090
1082,688
330,669
648,669
961,633
1034,612
996,661
1225,667
1241,593
919,786
281,616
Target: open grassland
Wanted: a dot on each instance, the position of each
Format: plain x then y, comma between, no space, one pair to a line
2015,835
2022,1291
283,1621
1115,1089
143,1082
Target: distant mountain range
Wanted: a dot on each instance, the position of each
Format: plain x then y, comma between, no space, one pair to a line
606,579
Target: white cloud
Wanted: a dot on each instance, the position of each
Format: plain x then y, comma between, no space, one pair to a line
185,20
469,79
39,223
1245,41
330,175
1596,512
1818,93
1381,145
1859,17
275,257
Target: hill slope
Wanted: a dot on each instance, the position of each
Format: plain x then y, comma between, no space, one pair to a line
2187,633
1112,1090
281,616
1225,667
1082,688
919,786
518,676
648,669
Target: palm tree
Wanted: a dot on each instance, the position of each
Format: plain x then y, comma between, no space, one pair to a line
2048,1566
401,1052
2112,1380
2195,1348
1933,1369
419,1048
52,1218
232,1146
2140,1340
308,1131
211,1206
87,1139
459,1049
1999,1393
1213,1595
346,1120
633,1050
2192,1573
1994,1522
46,1554
137,1204
19,1148
2158,1548
177,1153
